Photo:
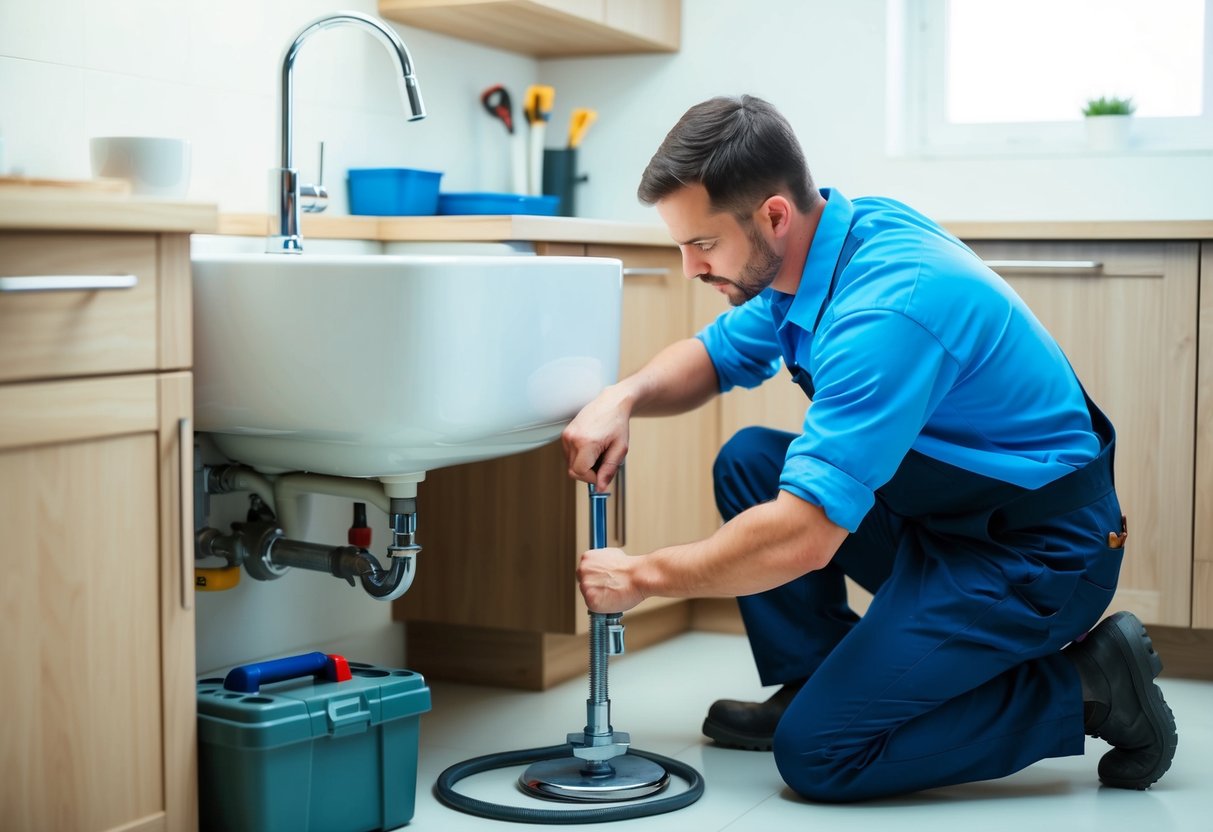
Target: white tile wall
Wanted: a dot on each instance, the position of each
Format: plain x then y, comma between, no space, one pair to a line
41,117
207,71
43,31
145,38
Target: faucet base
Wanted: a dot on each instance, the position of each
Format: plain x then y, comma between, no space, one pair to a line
275,244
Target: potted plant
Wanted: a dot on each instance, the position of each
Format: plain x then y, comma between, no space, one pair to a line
1109,121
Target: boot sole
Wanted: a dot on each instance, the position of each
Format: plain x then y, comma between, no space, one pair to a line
1134,643
727,737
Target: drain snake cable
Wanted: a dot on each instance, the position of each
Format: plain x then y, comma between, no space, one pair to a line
444,789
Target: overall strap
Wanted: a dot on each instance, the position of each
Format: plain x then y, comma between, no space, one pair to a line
799,374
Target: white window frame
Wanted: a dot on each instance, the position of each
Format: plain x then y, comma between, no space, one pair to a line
918,102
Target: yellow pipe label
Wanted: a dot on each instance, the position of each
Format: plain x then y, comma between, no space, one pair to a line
216,580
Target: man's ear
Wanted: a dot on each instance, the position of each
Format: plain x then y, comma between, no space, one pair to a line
776,214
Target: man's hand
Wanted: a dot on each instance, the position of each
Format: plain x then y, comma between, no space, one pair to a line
605,578
596,441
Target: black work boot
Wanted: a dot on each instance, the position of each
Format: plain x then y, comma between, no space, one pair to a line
1117,664
749,725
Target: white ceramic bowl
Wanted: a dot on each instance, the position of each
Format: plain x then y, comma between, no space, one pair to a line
154,166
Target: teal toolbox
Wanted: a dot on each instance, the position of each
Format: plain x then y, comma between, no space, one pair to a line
327,746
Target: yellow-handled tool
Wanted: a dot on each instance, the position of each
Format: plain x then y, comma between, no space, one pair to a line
538,109
580,122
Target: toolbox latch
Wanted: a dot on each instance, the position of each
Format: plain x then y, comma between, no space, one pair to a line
347,715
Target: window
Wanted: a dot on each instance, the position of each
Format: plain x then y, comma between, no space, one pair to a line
993,77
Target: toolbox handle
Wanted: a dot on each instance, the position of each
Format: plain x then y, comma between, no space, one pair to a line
249,678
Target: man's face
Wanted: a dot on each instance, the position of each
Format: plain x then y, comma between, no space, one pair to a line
717,248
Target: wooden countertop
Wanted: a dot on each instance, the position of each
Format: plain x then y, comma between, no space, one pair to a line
1076,230
86,210
62,209
579,230
486,228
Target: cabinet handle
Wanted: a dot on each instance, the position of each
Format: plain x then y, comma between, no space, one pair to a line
185,463
1039,266
621,505
655,271
67,282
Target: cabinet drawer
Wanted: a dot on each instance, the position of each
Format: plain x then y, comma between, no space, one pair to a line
50,333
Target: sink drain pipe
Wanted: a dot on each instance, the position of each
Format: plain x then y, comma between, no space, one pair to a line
594,765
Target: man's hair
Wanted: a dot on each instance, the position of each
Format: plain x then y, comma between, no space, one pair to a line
742,150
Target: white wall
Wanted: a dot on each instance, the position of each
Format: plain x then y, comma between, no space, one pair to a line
207,70
823,64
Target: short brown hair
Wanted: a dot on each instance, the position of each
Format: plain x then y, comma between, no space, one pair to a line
742,150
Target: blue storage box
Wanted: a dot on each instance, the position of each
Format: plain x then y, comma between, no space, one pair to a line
309,744
491,203
393,192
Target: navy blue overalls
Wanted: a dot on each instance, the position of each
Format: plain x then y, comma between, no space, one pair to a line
954,674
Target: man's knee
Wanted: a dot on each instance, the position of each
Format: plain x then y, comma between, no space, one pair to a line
747,468
816,767
741,450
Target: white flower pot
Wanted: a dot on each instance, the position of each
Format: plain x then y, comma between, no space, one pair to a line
1108,133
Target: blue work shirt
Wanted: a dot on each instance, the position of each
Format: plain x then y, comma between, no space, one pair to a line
919,346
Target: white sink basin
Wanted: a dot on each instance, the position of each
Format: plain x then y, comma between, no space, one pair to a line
391,365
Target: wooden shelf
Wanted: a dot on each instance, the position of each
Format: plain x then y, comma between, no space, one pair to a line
549,28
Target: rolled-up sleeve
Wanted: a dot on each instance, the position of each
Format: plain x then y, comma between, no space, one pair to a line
742,345
878,376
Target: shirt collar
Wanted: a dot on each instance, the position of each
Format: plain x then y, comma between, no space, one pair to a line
819,266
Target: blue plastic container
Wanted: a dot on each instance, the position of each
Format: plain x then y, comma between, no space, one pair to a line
308,744
393,192
492,203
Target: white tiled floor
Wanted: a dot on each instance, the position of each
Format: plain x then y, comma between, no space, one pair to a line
660,695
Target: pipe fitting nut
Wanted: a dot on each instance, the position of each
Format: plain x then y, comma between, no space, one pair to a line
590,747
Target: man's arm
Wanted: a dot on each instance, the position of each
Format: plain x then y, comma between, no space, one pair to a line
763,547
679,378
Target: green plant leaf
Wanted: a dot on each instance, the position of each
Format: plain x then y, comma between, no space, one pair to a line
1109,106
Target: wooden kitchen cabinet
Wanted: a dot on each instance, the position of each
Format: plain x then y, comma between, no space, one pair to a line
495,599
549,28
95,460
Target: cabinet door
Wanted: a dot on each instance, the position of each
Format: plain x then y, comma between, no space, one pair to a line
1128,325
665,492
99,706
499,548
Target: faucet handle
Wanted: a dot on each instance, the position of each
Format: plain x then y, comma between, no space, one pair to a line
315,198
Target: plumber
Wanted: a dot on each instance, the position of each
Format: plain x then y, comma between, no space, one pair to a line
951,463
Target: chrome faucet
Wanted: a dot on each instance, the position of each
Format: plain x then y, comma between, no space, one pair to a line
286,190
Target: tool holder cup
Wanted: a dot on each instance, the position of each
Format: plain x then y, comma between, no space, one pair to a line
560,178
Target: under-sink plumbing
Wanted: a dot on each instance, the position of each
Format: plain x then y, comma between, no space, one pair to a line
261,546
288,192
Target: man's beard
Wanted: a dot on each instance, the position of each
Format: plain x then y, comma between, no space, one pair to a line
757,274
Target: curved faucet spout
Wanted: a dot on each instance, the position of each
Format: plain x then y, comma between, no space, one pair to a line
391,41
287,189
